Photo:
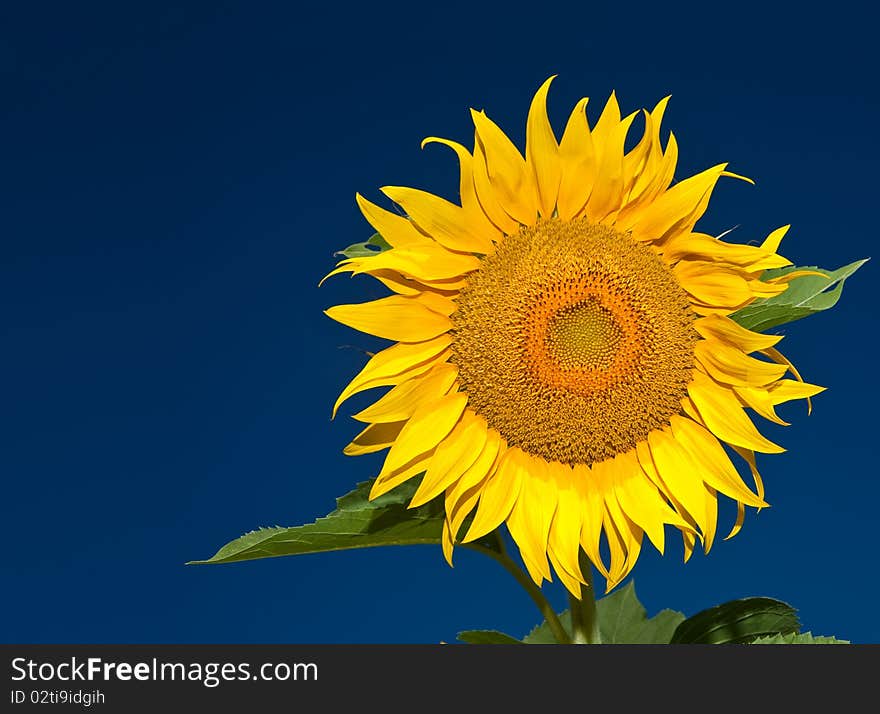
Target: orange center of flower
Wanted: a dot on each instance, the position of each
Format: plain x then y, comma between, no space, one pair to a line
573,341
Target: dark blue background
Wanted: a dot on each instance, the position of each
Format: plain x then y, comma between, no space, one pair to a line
174,181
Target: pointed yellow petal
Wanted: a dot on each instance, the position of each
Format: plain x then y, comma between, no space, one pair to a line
780,358
454,455
427,427
758,398
641,501
772,241
720,327
679,208
397,230
787,389
374,438
462,496
486,194
442,220
729,365
571,581
498,496
589,490
392,478
607,194
713,285
565,528
740,519
401,402
447,541
749,456
608,121
724,416
716,468
476,218
397,364
398,317
542,152
681,474
511,182
651,184
578,163
699,246
428,263
532,513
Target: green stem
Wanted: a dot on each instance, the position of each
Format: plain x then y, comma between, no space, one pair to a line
528,585
584,623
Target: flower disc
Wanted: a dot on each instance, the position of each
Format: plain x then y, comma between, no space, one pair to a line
573,341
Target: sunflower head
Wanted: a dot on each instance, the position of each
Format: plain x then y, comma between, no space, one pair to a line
564,360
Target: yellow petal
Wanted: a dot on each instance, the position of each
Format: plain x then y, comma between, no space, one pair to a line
607,123
607,194
592,500
740,519
565,528
511,181
392,478
772,241
542,152
398,231
428,263
787,389
716,468
749,456
730,365
476,218
650,184
758,398
532,513
641,501
486,194
427,427
724,416
442,220
571,581
401,402
780,358
462,496
699,246
713,285
397,364
447,541
398,317
374,438
453,456
679,208
498,496
720,327
681,474
578,163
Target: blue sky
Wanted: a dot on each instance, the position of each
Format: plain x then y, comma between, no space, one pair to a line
175,182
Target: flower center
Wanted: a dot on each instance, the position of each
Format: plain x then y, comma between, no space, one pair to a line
573,341
583,336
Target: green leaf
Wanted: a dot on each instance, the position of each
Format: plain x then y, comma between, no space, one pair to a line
804,638
543,635
487,637
738,621
374,244
357,522
623,620
805,296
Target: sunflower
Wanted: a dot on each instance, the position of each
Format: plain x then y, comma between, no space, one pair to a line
565,362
